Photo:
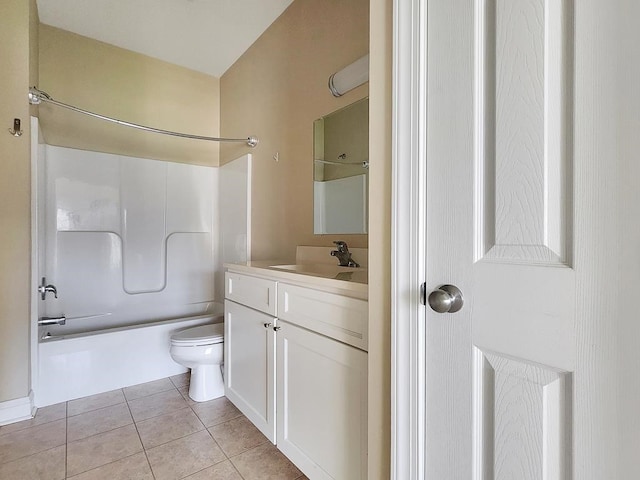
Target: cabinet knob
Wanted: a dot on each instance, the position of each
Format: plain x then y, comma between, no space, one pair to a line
267,325
275,329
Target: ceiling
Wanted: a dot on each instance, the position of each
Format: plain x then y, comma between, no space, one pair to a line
203,35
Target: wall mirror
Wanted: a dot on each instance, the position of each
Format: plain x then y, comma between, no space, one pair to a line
341,170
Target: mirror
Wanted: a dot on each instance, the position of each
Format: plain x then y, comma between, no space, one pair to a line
341,170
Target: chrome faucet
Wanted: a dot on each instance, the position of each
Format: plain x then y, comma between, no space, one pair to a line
343,255
44,288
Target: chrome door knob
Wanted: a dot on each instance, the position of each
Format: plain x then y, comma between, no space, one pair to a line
446,299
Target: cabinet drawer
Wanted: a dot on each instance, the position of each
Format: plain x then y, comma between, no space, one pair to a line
253,292
336,316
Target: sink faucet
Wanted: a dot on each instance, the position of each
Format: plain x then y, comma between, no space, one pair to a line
343,254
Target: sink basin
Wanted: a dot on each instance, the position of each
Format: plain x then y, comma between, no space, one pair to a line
327,271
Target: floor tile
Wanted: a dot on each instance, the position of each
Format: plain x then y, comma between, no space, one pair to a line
98,421
93,452
265,462
156,405
216,411
165,428
181,380
47,465
185,456
237,436
32,440
146,389
43,415
184,391
135,467
221,471
94,402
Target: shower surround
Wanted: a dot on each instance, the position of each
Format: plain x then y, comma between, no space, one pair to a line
134,247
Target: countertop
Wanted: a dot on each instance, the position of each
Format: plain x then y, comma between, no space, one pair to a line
348,281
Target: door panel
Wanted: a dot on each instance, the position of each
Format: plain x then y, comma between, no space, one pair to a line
523,417
499,227
249,346
321,375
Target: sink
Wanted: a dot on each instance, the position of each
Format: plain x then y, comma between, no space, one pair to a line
327,271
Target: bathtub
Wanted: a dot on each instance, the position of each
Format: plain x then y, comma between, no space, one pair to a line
83,364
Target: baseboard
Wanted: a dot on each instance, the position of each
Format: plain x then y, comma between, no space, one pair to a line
17,410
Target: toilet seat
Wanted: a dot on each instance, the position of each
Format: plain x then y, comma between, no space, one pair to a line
198,336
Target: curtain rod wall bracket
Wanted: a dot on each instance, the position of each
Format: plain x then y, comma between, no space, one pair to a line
36,97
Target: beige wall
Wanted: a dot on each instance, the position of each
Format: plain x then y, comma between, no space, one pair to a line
380,240
16,42
129,86
275,91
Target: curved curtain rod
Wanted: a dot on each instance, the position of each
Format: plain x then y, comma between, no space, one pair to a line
38,96
364,164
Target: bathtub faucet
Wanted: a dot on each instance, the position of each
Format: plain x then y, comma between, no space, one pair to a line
343,255
44,288
61,320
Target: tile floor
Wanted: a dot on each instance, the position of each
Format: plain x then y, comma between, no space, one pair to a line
148,431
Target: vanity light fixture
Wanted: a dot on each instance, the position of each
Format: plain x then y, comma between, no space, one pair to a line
350,77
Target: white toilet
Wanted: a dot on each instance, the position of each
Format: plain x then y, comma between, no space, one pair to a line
201,350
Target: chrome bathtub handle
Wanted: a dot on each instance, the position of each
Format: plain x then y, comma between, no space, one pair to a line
44,288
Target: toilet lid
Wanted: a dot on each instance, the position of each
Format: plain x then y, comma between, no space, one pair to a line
204,334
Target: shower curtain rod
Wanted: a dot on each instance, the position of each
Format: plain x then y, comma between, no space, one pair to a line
38,96
364,164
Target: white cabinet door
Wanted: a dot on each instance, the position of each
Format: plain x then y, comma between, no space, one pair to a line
322,404
249,342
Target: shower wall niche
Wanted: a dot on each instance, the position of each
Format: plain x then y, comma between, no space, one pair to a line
127,240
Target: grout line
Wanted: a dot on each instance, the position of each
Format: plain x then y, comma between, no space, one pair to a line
173,387
30,426
22,459
100,433
237,471
174,383
173,440
124,400
66,437
23,431
144,450
94,410
110,463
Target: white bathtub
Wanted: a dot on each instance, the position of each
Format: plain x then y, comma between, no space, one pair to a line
79,365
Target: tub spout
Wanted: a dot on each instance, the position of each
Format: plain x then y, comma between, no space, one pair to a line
61,320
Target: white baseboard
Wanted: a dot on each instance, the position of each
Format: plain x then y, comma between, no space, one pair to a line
16,410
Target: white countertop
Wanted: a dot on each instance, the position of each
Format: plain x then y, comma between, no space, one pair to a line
348,281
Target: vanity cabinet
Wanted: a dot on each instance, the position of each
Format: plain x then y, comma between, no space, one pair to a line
321,401
321,404
249,355
312,366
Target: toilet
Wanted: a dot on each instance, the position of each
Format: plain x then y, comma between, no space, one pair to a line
201,350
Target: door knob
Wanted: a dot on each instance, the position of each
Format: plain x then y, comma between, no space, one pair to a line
446,299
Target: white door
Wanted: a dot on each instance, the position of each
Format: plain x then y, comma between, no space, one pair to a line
511,121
